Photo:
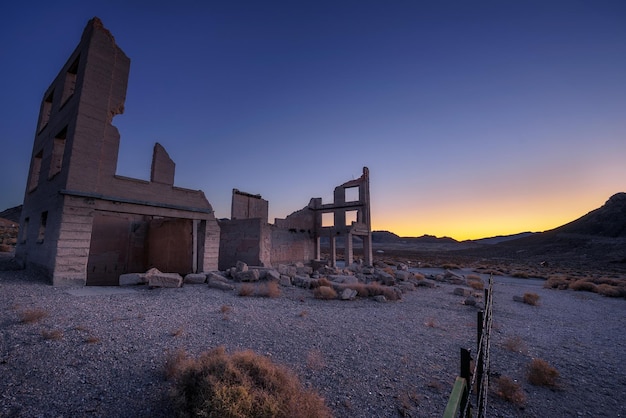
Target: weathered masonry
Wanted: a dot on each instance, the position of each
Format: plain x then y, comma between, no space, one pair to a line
82,223
248,236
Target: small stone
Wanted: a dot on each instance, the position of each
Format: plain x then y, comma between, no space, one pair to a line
380,298
348,294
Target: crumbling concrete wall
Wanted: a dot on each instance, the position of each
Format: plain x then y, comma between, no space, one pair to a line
247,240
297,237
248,206
72,180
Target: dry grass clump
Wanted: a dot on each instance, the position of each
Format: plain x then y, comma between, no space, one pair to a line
557,282
607,290
269,290
246,290
361,289
376,289
32,315
583,285
540,373
515,344
321,282
510,391
531,299
53,334
324,292
476,285
243,384
418,276
315,360
92,339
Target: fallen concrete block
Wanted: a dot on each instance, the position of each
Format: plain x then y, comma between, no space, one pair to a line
165,280
195,278
131,279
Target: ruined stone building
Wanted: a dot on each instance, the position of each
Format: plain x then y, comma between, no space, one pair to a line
83,224
248,236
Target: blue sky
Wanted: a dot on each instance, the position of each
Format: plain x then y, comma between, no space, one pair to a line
475,118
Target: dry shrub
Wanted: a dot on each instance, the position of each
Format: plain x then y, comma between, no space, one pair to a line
557,282
474,277
431,323
92,339
324,292
225,309
32,315
176,363
269,290
608,290
54,334
243,384
510,391
375,289
540,373
246,290
177,332
435,384
476,285
321,282
520,275
302,314
515,344
418,276
531,299
583,285
449,266
315,360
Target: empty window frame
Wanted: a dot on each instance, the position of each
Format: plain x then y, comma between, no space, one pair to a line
58,149
351,194
46,110
70,82
42,227
35,171
351,216
328,219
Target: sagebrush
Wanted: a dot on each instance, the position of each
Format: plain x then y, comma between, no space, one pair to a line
540,373
242,384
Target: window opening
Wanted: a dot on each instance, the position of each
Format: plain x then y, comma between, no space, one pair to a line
328,219
35,171
70,82
351,216
42,227
46,110
352,194
58,149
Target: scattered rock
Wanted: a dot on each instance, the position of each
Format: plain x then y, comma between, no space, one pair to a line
426,283
195,278
348,294
470,301
251,275
380,298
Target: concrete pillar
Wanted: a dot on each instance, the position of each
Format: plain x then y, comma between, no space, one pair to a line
349,255
333,251
367,250
317,248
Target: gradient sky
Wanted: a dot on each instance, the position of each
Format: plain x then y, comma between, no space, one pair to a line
474,118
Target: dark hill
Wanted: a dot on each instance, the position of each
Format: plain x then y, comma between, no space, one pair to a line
597,238
12,214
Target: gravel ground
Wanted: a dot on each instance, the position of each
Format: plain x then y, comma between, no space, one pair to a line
100,352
